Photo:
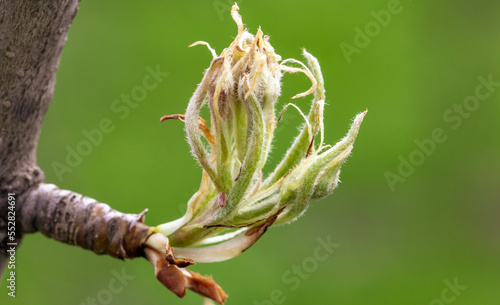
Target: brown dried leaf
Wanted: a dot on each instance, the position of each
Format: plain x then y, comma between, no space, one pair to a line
169,275
205,286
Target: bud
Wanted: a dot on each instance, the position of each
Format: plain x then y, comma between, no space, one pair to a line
241,88
235,205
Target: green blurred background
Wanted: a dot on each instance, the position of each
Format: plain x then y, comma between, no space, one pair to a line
397,246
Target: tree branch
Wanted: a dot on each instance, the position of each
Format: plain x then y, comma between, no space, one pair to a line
74,219
32,35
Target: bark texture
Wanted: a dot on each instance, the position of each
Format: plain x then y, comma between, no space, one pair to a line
78,220
32,36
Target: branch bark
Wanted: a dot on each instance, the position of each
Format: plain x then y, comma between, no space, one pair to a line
78,220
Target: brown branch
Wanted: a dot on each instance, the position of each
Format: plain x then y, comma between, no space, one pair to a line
32,36
78,220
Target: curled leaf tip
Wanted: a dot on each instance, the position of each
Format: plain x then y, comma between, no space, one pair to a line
212,51
172,116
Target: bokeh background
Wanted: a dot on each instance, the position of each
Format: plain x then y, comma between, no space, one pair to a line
401,242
